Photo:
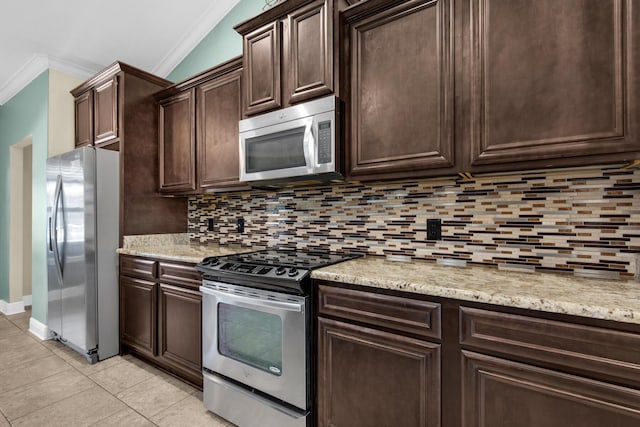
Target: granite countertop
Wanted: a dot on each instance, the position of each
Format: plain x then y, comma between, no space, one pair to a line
557,293
180,252
173,247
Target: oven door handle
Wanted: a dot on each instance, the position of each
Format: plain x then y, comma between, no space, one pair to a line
253,302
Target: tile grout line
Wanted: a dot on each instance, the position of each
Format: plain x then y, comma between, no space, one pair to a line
107,391
78,370
5,417
47,406
120,400
53,353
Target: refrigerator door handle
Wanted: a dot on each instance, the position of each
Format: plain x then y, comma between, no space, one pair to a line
56,203
50,230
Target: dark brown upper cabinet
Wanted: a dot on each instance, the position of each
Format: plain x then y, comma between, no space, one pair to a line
219,110
439,87
198,131
553,83
311,52
105,107
288,54
96,111
84,119
177,142
402,89
262,72
116,110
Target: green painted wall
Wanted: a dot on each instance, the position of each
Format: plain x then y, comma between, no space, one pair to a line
221,44
23,115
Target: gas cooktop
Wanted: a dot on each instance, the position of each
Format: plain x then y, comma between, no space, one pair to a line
269,268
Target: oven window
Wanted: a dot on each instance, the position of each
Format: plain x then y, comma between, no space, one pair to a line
280,150
250,336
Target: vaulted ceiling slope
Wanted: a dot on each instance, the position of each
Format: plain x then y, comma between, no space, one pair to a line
81,37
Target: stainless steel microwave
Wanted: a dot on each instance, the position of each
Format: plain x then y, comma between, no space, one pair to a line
298,143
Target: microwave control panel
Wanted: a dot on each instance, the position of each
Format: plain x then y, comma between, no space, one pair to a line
324,142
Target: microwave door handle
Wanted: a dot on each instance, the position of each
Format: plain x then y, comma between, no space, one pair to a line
310,147
252,302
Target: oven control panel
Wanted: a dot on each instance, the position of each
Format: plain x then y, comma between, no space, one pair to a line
214,264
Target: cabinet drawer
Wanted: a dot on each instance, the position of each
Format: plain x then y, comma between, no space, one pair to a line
137,267
179,274
587,350
397,313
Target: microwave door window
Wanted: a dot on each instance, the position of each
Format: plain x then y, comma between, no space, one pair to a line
275,151
251,337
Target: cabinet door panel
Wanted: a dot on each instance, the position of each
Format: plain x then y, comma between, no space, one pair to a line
372,378
84,119
106,112
138,314
180,328
402,90
551,79
500,393
218,114
262,69
177,143
311,57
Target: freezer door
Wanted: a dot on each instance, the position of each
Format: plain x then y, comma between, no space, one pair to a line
78,248
54,280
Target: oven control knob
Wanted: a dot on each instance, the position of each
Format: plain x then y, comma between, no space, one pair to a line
293,271
210,260
280,271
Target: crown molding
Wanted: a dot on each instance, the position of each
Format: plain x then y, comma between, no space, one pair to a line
25,75
35,66
210,19
82,69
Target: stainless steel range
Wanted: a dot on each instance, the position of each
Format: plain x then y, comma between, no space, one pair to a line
257,337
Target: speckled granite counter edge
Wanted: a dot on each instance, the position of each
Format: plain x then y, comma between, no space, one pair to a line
537,303
154,254
173,247
155,240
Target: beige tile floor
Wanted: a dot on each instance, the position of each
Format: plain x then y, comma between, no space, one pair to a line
43,383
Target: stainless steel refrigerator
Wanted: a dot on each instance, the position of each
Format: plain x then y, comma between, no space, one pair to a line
82,237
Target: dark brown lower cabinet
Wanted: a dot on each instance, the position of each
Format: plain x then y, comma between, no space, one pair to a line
161,315
180,330
373,378
138,314
502,393
390,358
375,367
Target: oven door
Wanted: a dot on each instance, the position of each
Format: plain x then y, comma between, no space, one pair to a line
258,338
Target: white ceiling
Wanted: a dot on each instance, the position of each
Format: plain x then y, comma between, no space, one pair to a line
82,37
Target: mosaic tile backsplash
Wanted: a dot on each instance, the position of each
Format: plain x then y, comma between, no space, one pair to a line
581,221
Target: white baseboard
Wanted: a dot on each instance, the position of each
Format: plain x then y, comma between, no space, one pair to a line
10,308
39,329
27,300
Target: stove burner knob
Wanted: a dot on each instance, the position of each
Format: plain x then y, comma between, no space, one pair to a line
293,271
210,261
280,271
